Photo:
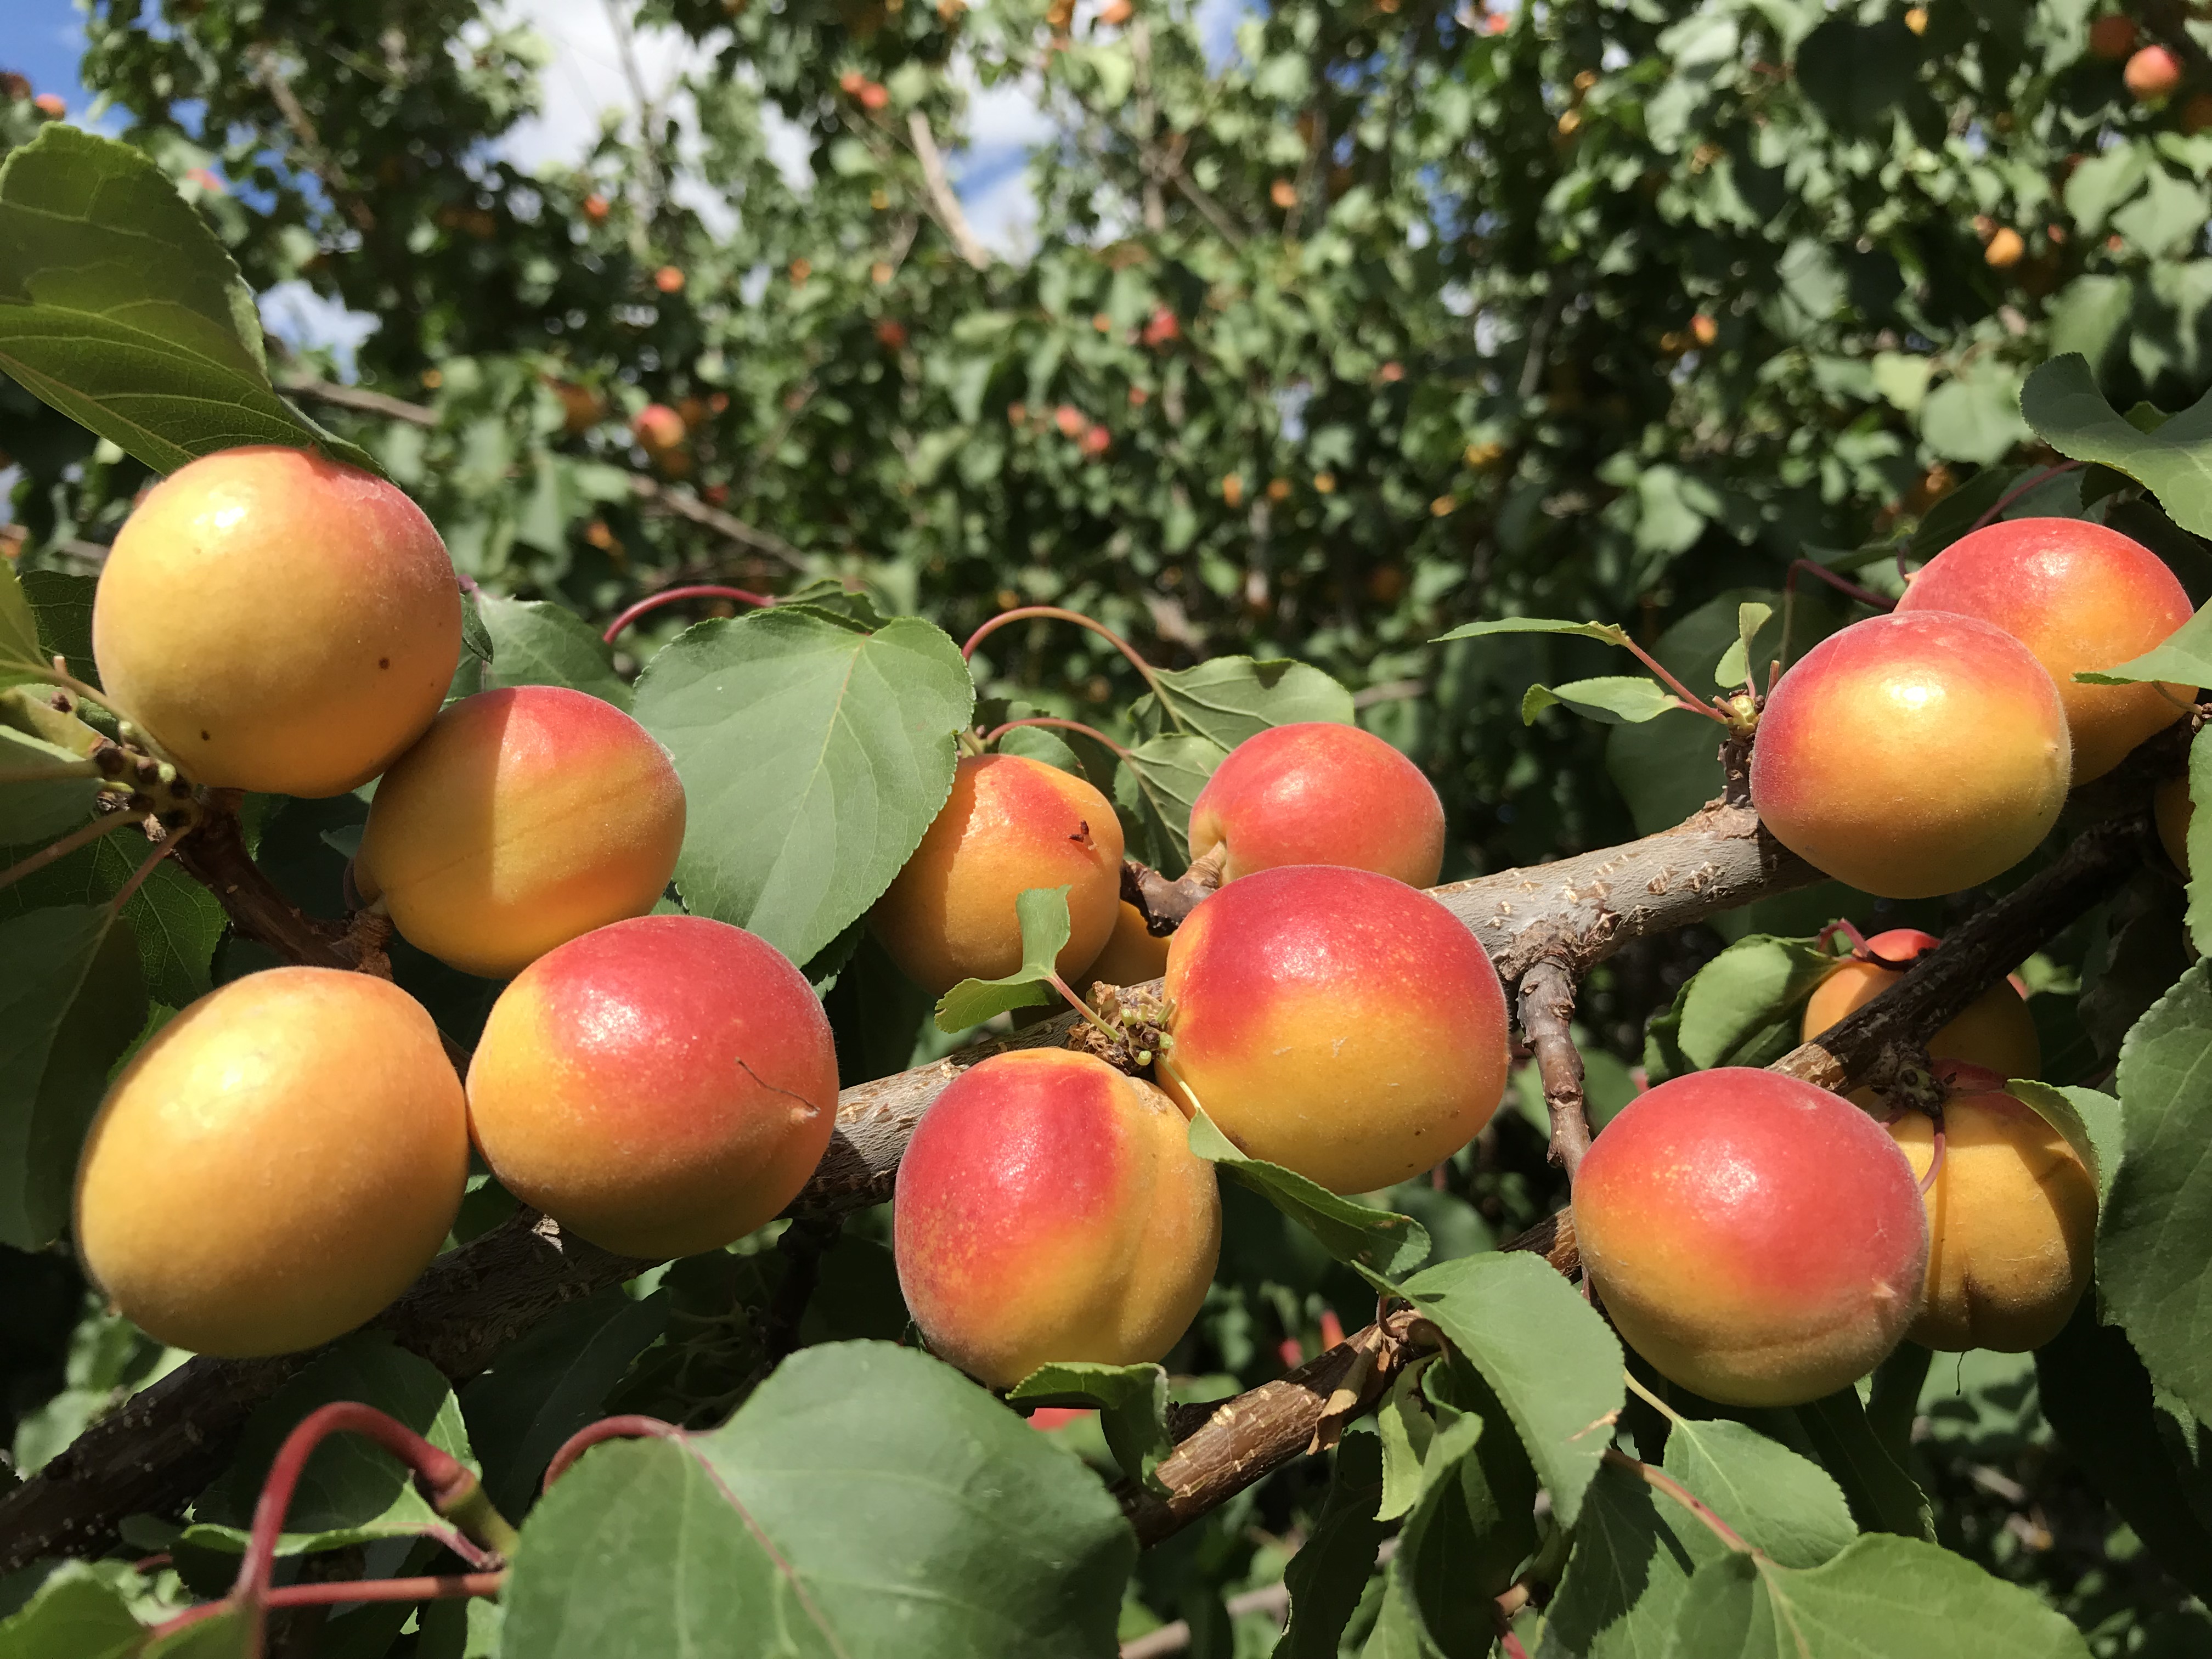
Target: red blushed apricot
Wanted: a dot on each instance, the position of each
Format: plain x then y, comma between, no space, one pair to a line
1757,1239
525,817
2078,597
1011,823
1996,1031
1337,1023
1049,1208
1912,755
277,621
2012,1220
1319,793
1132,956
276,1165
2171,811
660,1087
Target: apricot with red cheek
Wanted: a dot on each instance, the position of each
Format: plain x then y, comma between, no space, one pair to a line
2080,598
1759,1241
1320,792
1011,823
660,1087
2012,1220
276,1165
1335,1022
1912,755
1996,1031
277,622
526,816
1049,1208
1132,956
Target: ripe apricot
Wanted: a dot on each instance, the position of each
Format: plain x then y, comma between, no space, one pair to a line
2012,1220
660,1086
1011,823
2078,597
277,621
1912,755
1049,1208
1996,1031
1337,1023
276,1165
2172,811
1320,792
1132,956
1757,1239
2113,37
525,816
2152,73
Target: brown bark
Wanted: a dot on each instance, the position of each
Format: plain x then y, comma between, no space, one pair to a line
1547,1012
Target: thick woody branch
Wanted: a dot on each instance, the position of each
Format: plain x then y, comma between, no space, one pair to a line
1165,904
1547,1012
944,203
215,855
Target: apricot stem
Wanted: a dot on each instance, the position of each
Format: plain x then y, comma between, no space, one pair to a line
1935,1158
1842,927
1649,1398
1688,698
653,602
69,843
629,1427
1059,614
2019,490
1083,1007
1660,1481
1092,731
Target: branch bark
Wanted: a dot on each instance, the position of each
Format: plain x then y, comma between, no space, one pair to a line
1547,1012
944,203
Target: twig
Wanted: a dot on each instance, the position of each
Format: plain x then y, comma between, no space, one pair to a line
215,855
67,844
944,204
1273,1600
273,81
656,172
1165,904
1547,1003
361,401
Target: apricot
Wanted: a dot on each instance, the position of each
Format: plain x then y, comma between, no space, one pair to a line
1010,823
276,1165
1335,1022
2113,37
1759,1239
2152,73
524,817
660,1087
1132,956
1996,1031
1050,1208
277,622
2078,597
2012,1220
1319,793
1912,755
2171,811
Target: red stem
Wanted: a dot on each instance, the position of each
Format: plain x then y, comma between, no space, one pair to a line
607,1428
444,1588
1659,1481
1842,585
668,596
138,875
1841,927
996,732
2014,495
1022,613
1936,1162
1689,698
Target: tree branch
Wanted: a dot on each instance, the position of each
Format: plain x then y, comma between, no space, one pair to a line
273,81
215,855
944,203
1548,1011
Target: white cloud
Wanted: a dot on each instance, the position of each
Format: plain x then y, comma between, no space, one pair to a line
306,321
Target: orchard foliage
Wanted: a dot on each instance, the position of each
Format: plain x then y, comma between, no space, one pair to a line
1475,325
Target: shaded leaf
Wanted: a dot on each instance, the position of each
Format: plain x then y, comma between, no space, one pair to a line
2062,402
535,642
74,1613
2199,850
2086,1120
1328,1576
1377,1240
1132,1401
37,811
1633,1554
1744,1007
1777,1500
1883,1498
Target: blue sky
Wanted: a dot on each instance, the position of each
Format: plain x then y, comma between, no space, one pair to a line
44,39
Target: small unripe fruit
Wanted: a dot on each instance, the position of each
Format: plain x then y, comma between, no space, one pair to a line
1011,824
1132,956
1996,1032
526,816
661,1086
1912,754
2012,1220
2113,37
1759,1239
1337,1023
276,1165
1320,792
2172,810
2080,598
1049,1208
2152,73
277,622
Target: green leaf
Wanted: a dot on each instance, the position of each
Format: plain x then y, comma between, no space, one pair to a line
1550,1359
1882,1597
1634,1551
1610,699
352,1491
1328,1576
1883,1498
225,1635
1776,1500
2199,850
74,1614
1042,912
120,309
1610,632
2062,402
1227,700
32,812
867,1501
1157,784
1132,1402
62,607
534,642
813,757
550,1382
71,1001
2182,658
1476,1520
2087,1121
1734,666
1376,1240
20,653
2154,1236
1744,1007
1404,1427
